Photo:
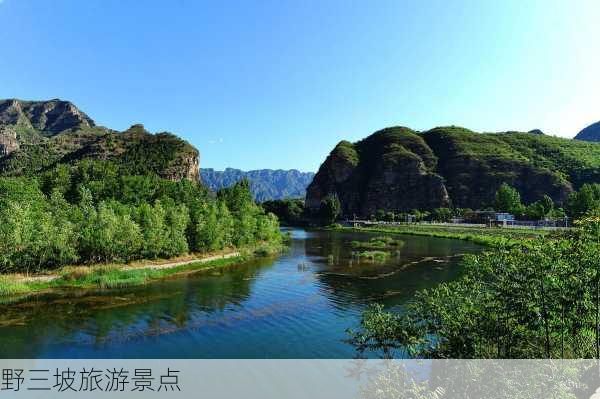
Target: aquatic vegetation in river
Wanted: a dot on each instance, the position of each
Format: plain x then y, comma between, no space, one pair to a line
381,243
377,256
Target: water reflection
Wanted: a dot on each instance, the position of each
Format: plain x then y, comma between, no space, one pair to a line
421,263
296,306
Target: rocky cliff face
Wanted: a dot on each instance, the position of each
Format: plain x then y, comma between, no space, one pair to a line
590,133
393,169
52,117
397,169
37,135
8,141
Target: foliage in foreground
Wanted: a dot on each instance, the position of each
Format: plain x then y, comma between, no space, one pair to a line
536,301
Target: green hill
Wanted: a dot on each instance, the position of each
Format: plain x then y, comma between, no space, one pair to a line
399,169
38,135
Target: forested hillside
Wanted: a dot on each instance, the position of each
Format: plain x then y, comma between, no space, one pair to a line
75,193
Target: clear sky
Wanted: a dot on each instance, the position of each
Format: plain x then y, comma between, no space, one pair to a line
276,84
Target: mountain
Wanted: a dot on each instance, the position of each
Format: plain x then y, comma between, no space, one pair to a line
266,184
391,169
39,135
590,133
51,117
399,169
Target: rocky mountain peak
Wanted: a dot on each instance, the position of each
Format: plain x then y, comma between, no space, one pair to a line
31,142
51,117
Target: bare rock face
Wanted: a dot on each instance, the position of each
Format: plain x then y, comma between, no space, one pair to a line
190,168
8,140
52,117
393,170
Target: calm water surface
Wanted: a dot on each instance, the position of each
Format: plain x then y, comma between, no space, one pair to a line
297,305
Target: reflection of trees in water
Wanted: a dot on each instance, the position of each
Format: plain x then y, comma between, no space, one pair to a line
351,282
166,306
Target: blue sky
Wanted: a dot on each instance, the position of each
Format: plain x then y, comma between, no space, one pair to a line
276,84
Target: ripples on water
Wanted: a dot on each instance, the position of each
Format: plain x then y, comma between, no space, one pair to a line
295,306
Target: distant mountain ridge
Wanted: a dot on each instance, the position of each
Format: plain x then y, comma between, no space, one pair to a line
266,184
590,133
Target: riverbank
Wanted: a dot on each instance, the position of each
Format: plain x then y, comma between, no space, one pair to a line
489,236
107,276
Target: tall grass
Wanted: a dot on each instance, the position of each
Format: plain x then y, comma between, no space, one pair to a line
12,287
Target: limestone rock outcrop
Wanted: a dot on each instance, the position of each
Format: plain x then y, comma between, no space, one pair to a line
8,141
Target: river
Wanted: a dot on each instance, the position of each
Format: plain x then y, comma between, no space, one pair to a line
297,305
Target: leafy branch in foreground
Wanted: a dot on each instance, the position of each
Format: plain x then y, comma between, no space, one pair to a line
541,300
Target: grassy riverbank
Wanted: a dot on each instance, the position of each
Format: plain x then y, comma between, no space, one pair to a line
109,276
488,236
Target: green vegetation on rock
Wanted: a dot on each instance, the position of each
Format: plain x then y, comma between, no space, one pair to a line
398,170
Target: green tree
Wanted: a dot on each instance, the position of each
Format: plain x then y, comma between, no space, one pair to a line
176,220
207,234
330,209
441,215
151,220
547,205
267,227
225,225
508,199
535,211
586,199
108,236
